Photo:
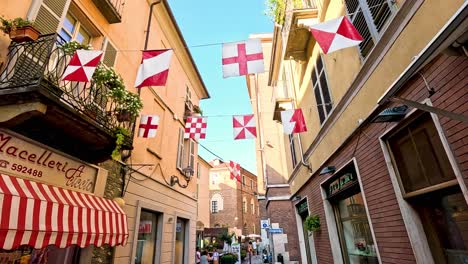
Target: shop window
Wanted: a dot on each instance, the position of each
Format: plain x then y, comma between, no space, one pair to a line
321,90
419,156
370,18
303,211
147,237
343,192
181,245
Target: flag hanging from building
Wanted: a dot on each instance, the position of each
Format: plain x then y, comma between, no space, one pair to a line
82,65
195,127
235,170
336,34
242,58
293,121
148,126
244,127
154,68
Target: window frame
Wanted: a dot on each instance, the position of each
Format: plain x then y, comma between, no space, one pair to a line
318,86
214,206
77,26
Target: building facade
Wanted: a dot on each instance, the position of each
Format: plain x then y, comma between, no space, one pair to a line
203,198
272,162
233,204
382,165
153,180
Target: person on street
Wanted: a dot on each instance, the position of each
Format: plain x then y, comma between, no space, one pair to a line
197,256
215,257
249,250
205,258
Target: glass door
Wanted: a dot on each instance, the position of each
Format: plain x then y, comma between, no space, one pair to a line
181,225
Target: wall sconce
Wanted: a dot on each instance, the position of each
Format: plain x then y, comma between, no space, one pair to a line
296,198
327,169
187,173
393,114
169,220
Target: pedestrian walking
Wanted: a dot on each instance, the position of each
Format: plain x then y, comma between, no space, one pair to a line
249,250
197,256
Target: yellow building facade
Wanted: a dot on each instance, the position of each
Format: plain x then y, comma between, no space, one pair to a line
155,180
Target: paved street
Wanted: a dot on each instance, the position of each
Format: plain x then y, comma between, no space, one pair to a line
256,259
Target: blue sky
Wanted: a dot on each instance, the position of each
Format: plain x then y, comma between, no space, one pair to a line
210,21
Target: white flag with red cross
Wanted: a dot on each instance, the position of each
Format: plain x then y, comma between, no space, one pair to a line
293,121
82,65
336,34
242,58
244,127
235,170
154,68
148,126
195,127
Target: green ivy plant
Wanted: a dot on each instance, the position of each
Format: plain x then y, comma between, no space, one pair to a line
197,109
69,48
312,223
120,135
7,25
276,9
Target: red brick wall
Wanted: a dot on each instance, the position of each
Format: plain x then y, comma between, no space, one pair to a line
449,77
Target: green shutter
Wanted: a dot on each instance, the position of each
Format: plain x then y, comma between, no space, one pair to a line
56,6
49,15
109,55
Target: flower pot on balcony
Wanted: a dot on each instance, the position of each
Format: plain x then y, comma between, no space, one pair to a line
91,110
22,34
124,116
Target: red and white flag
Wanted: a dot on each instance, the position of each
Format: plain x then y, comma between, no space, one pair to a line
235,170
154,68
293,121
82,65
336,34
242,58
195,127
148,126
244,127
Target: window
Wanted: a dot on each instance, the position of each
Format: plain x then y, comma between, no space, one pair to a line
244,205
216,203
191,153
146,243
252,207
214,178
243,180
321,91
420,156
251,184
369,17
180,149
73,30
198,170
214,207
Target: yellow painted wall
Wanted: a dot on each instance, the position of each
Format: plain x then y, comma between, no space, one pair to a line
203,210
343,66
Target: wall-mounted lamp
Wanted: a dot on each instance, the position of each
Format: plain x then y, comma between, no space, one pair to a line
169,220
296,198
327,169
187,173
393,114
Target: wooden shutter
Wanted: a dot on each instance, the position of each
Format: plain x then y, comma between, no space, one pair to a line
180,149
109,55
49,15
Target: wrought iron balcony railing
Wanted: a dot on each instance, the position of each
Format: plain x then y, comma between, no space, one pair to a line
38,66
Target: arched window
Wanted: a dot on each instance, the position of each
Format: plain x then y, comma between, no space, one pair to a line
252,206
216,203
244,205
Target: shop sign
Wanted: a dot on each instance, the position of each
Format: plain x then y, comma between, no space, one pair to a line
302,207
236,249
341,183
145,227
265,224
275,230
27,159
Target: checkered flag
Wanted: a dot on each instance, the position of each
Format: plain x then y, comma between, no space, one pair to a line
195,127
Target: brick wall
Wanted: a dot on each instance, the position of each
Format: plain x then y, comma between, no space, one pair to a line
449,77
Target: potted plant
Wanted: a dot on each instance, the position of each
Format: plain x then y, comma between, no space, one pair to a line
19,29
312,223
69,48
91,110
197,111
228,258
120,135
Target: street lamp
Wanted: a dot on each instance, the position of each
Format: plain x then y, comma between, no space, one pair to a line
187,173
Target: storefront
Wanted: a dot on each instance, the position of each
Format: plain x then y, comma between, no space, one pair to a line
344,198
51,209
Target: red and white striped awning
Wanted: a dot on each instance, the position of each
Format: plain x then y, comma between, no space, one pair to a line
39,215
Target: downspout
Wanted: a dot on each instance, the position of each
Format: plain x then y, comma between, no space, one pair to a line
303,162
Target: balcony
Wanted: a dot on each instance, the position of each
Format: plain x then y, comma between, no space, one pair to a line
283,100
295,29
75,117
111,9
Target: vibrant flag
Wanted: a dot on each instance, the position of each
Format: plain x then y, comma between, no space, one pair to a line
148,126
244,127
154,68
242,58
336,34
195,127
235,170
82,65
293,121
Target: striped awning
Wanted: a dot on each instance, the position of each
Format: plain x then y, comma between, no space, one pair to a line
39,215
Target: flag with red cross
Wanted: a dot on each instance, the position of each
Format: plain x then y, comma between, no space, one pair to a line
195,127
148,126
242,58
244,127
82,65
235,170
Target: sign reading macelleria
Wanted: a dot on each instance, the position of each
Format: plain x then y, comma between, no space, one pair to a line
35,161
